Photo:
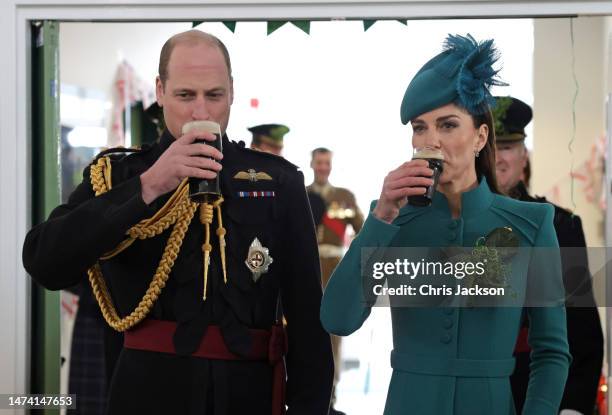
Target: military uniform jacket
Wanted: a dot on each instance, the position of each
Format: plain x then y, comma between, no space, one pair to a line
59,251
451,360
345,200
584,331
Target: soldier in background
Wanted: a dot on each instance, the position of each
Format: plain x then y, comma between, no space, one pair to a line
584,332
269,138
341,210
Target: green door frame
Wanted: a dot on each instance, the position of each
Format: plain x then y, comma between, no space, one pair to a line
45,368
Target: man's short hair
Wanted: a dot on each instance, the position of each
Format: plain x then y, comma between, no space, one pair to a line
319,150
256,140
191,37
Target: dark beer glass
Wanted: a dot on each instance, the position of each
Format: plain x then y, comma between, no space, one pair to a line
435,158
203,190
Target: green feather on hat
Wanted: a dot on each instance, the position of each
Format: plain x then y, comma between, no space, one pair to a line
462,73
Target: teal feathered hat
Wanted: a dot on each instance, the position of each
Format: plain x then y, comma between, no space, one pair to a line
462,73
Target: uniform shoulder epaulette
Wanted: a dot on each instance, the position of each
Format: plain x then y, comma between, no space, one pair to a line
344,191
117,153
263,154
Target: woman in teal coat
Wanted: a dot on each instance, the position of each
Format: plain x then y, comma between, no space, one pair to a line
457,360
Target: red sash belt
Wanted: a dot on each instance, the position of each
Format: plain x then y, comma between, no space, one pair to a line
271,345
522,346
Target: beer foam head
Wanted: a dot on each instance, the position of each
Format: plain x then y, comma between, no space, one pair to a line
208,126
428,153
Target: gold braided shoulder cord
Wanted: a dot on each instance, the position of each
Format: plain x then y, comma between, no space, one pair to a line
178,211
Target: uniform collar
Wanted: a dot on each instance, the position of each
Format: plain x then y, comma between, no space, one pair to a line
165,140
322,190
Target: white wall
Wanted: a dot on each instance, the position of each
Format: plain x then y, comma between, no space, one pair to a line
554,90
90,53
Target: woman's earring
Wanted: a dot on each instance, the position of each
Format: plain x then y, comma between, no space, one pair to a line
477,153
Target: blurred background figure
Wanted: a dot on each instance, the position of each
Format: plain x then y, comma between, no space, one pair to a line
584,332
269,138
341,210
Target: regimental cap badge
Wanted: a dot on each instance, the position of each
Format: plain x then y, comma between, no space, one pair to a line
252,175
258,259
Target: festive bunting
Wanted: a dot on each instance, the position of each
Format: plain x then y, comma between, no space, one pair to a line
302,24
367,24
274,25
128,88
231,26
589,175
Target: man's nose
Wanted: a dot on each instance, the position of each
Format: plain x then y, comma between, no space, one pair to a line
200,110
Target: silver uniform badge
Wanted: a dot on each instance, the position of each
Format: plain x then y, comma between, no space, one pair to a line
258,259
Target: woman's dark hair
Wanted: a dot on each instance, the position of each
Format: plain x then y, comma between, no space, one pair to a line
485,162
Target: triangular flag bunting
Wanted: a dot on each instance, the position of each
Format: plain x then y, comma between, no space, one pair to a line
231,26
275,24
302,24
367,24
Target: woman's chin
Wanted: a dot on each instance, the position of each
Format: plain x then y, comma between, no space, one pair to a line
444,179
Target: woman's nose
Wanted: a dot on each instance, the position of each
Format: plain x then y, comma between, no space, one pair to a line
432,139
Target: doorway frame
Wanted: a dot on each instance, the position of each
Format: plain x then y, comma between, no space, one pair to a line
15,105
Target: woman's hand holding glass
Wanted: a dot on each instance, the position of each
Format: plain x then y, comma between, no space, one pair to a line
409,179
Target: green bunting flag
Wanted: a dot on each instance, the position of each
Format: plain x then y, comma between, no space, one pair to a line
231,26
274,25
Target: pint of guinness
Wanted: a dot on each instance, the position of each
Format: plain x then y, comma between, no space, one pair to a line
435,158
202,190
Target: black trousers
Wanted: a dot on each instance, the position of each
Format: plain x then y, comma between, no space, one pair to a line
159,383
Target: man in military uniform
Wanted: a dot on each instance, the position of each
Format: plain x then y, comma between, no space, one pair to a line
216,276
269,138
583,326
341,211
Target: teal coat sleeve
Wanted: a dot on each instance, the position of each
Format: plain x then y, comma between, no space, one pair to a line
550,357
344,307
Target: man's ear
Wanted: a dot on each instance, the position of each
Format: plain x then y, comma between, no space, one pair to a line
525,157
159,91
231,91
